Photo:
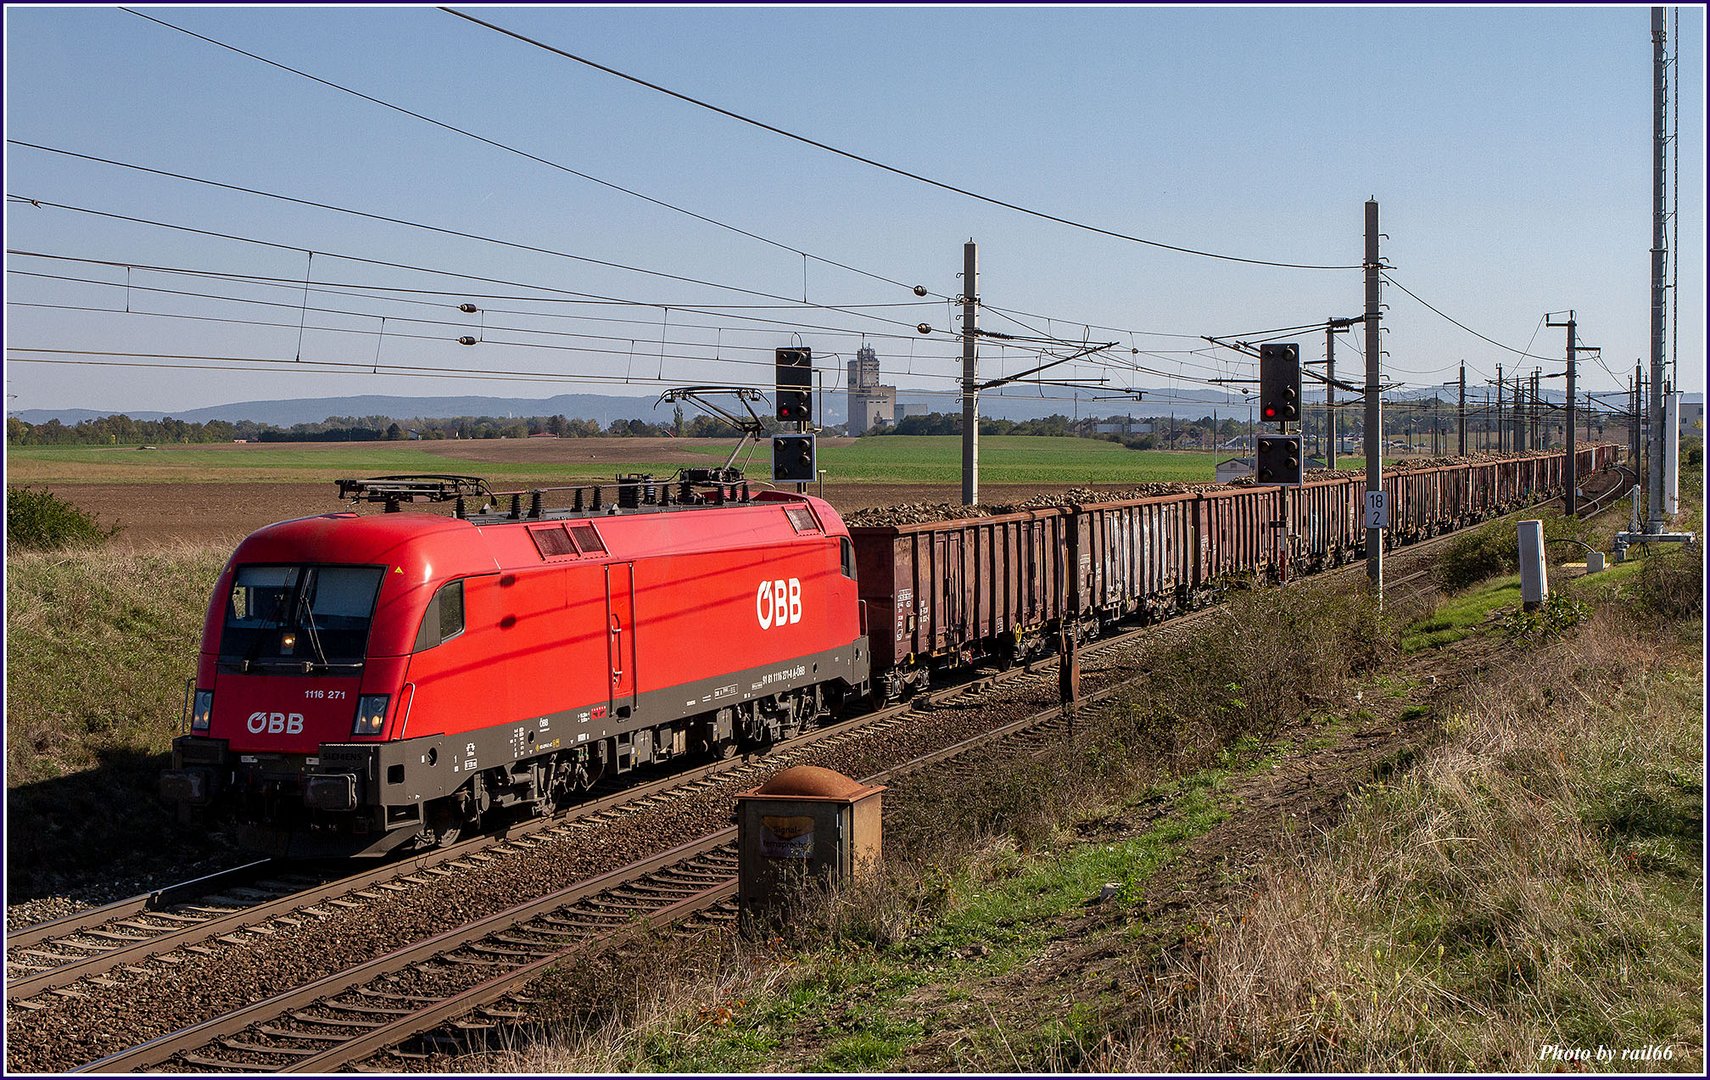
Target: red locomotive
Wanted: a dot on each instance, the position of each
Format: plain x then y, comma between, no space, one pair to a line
374,682
368,682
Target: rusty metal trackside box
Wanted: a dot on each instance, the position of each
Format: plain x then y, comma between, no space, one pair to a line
804,823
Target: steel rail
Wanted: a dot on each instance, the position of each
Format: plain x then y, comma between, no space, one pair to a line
162,1048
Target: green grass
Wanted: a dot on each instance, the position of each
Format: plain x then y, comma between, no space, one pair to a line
1004,459
855,995
1462,615
1535,879
1014,459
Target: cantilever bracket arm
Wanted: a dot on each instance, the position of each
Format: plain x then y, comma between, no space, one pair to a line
1017,377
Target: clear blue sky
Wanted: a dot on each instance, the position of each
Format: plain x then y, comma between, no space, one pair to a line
1509,149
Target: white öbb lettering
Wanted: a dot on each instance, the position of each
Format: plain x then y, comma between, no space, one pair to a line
276,723
778,603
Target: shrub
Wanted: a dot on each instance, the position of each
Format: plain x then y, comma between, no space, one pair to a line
1546,623
1493,549
1671,584
42,521
1268,657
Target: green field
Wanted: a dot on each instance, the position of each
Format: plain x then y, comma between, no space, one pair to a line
1012,459
1004,459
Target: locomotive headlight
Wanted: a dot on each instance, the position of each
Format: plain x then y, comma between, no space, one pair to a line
202,710
370,714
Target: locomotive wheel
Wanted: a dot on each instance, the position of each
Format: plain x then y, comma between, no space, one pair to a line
445,824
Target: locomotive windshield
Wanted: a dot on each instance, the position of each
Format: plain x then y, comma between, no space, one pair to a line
301,617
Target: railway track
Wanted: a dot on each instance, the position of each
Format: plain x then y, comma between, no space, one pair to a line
254,901
455,979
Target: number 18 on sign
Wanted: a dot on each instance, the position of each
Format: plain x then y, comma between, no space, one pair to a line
1377,509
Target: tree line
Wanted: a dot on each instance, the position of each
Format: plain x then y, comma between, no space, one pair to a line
122,430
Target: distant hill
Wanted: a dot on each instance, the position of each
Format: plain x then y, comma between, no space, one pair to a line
1016,404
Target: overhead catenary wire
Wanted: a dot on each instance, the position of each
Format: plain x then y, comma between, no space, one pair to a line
852,156
278,246
293,285
771,326
389,219
199,362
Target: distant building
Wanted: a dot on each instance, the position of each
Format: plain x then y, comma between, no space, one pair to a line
1124,427
870,404
872,408
1692,418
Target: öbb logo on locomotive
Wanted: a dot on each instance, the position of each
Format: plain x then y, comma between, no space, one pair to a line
275,723
431,659
778,603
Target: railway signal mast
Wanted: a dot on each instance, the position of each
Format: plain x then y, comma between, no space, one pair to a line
1277,458
793,458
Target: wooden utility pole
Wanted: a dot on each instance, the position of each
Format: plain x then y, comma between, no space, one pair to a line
970,377
1373,439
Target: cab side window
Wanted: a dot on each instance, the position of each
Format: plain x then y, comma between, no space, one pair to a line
848,558
444,618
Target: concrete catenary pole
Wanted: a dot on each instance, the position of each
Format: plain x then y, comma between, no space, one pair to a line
1373,439
1501,443
1572,445
1519,416
1462,426
1634,389
1659,266
970,375
1570,501
1329,394
1538,410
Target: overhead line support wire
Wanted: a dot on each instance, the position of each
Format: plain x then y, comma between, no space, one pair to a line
1464,326
525,39
519,152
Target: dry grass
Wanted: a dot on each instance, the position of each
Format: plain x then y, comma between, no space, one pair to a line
1536,882
978,865
99,643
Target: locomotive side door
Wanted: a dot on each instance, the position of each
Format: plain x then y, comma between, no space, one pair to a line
620,637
